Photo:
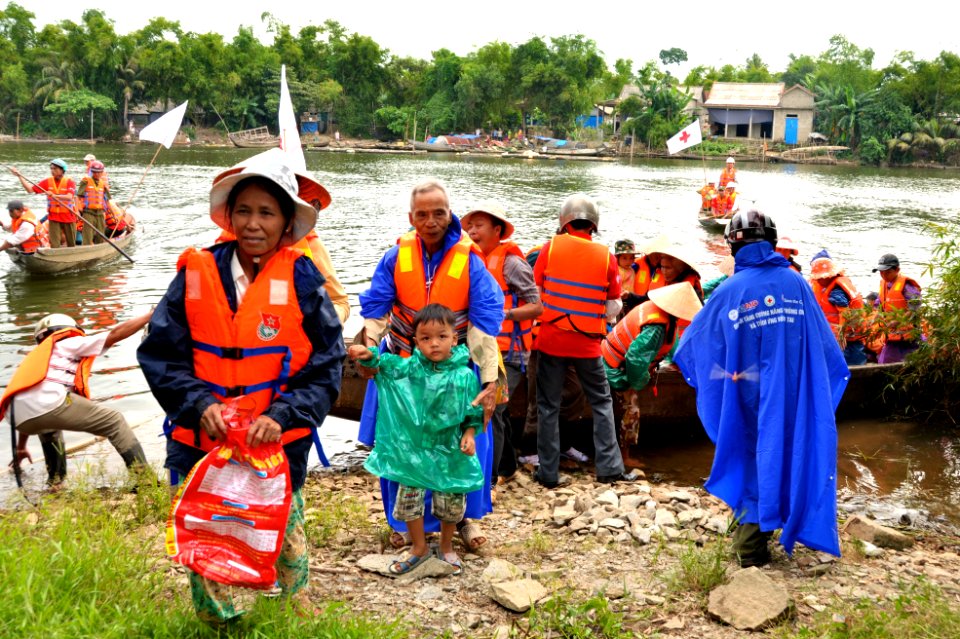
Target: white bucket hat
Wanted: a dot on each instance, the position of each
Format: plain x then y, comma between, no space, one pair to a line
304,215
679,300
493,210
309,190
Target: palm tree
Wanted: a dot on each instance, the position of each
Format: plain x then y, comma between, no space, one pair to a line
840,110
56,77
128,79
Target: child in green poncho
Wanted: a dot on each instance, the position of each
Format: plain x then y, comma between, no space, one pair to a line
425,430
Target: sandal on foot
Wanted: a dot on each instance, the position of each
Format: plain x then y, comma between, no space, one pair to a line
452,559
407,563
471,535
399,539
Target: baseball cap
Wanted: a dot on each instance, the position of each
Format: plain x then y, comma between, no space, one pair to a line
14,205
887,262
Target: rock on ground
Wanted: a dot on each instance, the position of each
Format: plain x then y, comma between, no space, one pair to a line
868,530
518,595
750,601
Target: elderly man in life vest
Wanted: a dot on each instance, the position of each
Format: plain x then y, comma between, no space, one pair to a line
436,262
641,340
838,297
580,288
60,191
488,226
50,393
23,228
769,375
899,301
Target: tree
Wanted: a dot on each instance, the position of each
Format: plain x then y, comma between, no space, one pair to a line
129,82
73,104
672,56
755,70
56,78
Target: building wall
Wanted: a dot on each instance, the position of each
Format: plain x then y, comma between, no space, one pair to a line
804,124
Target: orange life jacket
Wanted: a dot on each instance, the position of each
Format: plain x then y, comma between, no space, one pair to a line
450,286
33,369
707,195
659,281
727,175
514,335
575,285
615,345
43,234
644,276
892,298
93,197
58,211
833,313
32,243
535,329
253,352
114,217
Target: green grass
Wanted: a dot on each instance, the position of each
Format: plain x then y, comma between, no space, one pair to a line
699,569
560,616
89,563
920,611
328,513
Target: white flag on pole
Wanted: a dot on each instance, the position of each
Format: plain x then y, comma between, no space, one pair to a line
165,129
289,135
689,136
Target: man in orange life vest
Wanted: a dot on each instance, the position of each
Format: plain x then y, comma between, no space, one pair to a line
729,173
436,262
50,393
836,294
899,295
61,211
787,248
23,228
580,289
94,192
488,226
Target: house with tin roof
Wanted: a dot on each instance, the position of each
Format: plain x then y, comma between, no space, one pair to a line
767,111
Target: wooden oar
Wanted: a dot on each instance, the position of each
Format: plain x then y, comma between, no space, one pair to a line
73,210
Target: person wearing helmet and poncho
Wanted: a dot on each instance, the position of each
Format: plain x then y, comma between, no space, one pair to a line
769,375
248,317
61,211
50,393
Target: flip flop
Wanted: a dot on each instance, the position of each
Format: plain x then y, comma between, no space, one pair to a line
452,559
407,563
399,539
471,535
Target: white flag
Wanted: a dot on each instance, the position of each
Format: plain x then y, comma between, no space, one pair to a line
289,135
164,130
689,136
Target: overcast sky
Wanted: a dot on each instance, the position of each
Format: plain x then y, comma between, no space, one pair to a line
712,33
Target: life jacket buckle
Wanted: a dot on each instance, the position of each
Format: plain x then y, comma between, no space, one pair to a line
234,391
231,352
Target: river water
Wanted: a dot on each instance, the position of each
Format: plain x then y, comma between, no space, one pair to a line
856,213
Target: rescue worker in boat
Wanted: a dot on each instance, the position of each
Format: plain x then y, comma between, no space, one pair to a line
61,209
94,193
23,227
642,339
435,262
50,393
488,226
249,317
899,301
788,249
580,288
840,303
707,195
729,173
726,202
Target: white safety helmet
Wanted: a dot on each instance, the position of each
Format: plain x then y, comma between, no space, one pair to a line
731,161
52,323
731,185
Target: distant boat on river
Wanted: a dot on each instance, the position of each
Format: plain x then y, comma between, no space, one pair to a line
259,137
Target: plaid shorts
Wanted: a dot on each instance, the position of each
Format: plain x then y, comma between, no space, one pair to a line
447,507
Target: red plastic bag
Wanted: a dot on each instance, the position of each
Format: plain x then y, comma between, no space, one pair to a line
229,516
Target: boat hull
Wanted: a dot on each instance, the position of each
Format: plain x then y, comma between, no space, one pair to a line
49,261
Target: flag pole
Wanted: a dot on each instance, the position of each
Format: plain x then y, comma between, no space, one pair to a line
145,171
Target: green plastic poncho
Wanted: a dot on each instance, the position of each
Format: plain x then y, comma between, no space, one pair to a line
424,409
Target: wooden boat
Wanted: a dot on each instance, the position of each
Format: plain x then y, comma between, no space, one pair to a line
259,137
571,152
434,147
712,222
673,403
48,261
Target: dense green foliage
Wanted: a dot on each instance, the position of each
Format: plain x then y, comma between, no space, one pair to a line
47,75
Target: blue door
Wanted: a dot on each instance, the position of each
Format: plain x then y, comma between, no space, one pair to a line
790,130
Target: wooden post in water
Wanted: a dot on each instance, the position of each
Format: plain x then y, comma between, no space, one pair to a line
414,138
91,125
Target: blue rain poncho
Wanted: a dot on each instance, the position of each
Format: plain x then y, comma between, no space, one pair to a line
769,375
424,407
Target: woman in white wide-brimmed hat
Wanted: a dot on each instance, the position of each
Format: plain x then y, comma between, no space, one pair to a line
248,317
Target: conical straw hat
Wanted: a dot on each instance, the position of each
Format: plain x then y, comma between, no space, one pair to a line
666,246
679,300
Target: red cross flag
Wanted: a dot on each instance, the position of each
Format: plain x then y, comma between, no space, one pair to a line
689,136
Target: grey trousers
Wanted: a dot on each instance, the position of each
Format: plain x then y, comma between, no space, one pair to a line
593,380
77,413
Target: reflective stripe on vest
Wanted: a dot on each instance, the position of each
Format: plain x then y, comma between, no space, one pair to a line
450,286
645,272
93,198
514,335
54,207
32,243
575,284
34,367
252,352
659,281
614,346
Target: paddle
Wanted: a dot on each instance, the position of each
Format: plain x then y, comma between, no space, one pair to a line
72,210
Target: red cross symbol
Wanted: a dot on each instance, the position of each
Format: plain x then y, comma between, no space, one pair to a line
684,136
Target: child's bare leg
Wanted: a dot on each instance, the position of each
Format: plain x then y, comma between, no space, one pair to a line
417,536
447,531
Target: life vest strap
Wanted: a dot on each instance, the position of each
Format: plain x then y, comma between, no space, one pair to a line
237,391
575,298
591,287
224,352
571,312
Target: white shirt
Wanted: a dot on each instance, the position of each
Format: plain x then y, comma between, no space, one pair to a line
52,391
22,235
240,281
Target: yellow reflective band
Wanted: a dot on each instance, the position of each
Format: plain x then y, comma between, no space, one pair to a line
406,259
456,266
653,316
